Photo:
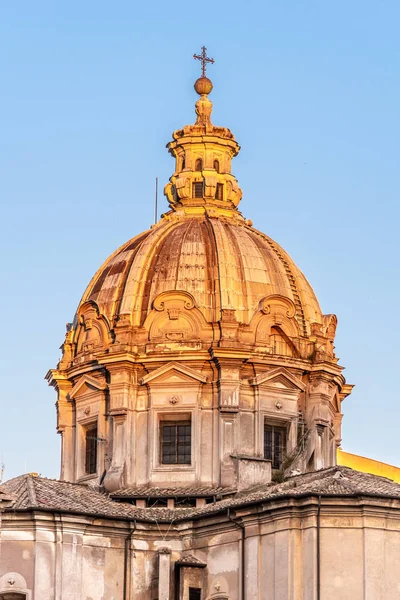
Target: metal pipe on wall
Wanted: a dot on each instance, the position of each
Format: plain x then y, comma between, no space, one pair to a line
243,554
319,549
126,559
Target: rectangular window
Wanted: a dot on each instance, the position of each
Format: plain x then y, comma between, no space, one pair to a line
194,593
274,444
219,192
176,443
91,449
197,189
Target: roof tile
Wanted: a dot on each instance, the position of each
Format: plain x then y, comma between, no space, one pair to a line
31,492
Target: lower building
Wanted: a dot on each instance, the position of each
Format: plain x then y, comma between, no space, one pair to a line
330,534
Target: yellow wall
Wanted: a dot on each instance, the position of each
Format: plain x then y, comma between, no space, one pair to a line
368,465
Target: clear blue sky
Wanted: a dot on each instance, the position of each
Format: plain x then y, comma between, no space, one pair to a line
91,92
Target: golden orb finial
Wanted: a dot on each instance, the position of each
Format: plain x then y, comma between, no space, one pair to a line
203,86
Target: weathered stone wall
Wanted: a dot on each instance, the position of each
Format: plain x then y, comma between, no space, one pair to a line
66,557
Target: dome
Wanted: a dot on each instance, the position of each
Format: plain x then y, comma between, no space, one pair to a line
203,246
199,354
224,264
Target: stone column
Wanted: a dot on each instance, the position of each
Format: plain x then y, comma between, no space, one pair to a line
164,573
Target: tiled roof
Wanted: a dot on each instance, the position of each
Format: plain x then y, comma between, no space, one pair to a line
5,496
30,492
173,492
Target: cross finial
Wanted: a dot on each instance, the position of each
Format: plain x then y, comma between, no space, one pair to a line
204,60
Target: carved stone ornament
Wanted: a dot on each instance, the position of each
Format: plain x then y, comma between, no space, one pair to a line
276,304
174,399
278,405
183,187
87,410
88,324
173,313
228,315
174,297
11,581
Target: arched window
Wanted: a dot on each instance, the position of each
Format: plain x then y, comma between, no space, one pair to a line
216,165
198,165
183,164
13,587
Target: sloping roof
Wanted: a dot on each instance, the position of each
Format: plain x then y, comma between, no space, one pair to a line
334,481
31,492
5,496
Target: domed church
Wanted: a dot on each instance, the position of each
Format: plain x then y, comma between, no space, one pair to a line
199,406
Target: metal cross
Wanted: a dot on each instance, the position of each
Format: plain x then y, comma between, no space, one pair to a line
204,60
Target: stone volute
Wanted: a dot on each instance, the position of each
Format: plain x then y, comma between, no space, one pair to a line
199,355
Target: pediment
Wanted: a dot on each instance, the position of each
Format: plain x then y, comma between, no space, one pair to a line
174,372
280,379
86,381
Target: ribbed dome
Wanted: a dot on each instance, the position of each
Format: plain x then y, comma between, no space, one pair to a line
222,263
203,246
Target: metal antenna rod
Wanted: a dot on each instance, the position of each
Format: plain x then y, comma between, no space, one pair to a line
156,202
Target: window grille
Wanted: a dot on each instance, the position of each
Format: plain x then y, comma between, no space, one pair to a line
274,445
197,189
219,192
91,450
198,165
176,443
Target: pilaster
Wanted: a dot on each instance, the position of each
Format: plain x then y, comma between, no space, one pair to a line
122,393
164,574
66,427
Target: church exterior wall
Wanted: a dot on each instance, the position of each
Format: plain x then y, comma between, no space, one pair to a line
70,557
63,556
